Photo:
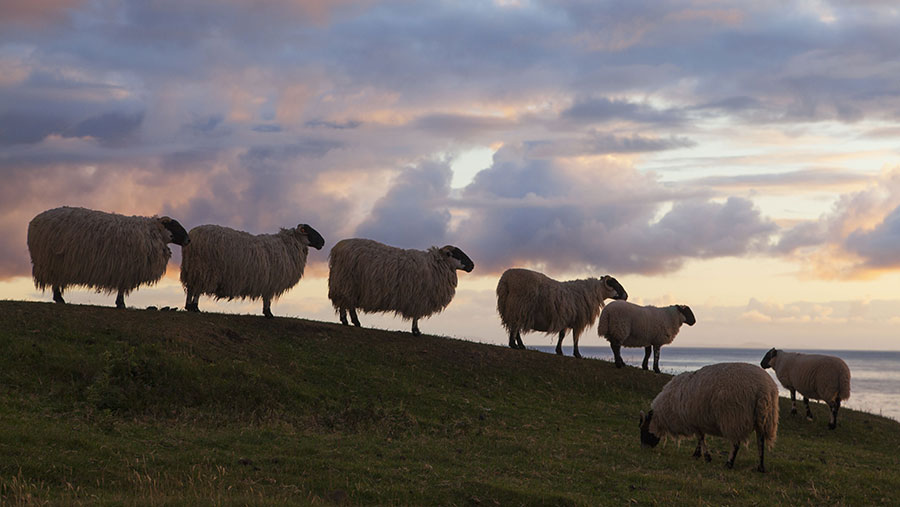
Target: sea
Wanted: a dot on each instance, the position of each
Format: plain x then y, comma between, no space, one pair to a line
874,375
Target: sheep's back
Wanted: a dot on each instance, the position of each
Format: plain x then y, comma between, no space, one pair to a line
528,300
374,277
230,264
106,251
719,400
818,376
632,325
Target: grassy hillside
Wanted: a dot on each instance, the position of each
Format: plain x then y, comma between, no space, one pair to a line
99,405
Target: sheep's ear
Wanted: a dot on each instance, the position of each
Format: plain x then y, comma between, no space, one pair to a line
165,220
641,421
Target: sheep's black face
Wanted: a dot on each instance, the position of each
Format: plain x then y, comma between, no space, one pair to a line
688,315
178,235
614,284
767,359
648,439
315,239
464,260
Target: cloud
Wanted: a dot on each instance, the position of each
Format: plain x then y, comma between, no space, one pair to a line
413,214
603,109
879,246
563,218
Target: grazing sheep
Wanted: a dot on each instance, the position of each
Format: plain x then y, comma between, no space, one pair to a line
626,324
816,376
233,264
528,300
727,400
103,251
373,277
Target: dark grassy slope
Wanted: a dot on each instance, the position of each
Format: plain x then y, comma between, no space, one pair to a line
102,405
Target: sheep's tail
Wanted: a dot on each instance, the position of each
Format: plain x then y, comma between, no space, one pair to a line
502,296
603,324
844,383
767,416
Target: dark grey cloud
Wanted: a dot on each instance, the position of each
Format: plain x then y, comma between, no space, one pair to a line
413,214
109,129
602,109
337,125
880,246
601,143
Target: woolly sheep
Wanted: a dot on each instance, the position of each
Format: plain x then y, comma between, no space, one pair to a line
728,400
230,264
374,277
528,300
816,376
98,250
626,324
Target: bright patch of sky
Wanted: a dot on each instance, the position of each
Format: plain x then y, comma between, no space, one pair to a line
469,163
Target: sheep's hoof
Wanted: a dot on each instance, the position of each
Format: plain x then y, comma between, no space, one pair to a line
268,315
559,352
729,464
832,426
761,469
416,332
655,370
707,457
578,355
620,364
793,411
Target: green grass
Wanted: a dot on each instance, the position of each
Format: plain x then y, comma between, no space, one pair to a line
102,406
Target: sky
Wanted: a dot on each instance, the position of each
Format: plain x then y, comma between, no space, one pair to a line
741,158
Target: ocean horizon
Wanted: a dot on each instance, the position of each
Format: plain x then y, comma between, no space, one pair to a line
874,374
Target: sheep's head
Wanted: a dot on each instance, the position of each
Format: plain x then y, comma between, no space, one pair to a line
458,258
613,289
688,314
767,359
648,439
177,234
313,238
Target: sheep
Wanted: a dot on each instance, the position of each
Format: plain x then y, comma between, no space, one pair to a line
528,300
98,250
370,276
626,324
816,376
227,263
727,400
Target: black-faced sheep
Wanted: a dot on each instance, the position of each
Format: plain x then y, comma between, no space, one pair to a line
373,277
98,250
626,324
728,400
531,301
232,264
816,376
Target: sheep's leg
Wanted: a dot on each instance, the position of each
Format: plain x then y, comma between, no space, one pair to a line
513,337
343,315
761,443
834,410
809,416
353,318
575,336
415,327
734,451
702,450
192,301
267,307
57,295
519,340
562,335
793,402
647,350
616,352
120,300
